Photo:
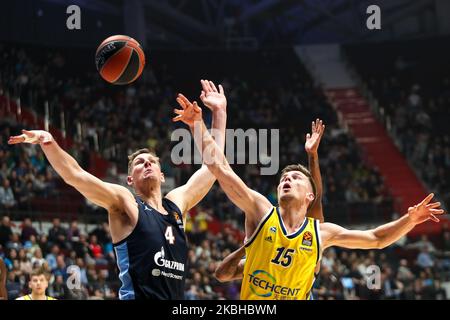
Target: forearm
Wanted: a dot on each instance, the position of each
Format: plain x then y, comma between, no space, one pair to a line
314,169
219,124
391,232
231,267
212,156
63,163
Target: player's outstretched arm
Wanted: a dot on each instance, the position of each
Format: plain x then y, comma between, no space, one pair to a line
232,267
382,236
311,147
199,184
107,195
251,202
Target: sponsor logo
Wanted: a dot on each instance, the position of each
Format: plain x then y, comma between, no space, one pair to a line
263,284
169,264
307,239
273,229
156,272
268,238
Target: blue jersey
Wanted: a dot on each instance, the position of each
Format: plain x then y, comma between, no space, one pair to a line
152,259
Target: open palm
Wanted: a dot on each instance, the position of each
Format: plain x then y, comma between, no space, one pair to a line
313,138
211,97
425,210
190,112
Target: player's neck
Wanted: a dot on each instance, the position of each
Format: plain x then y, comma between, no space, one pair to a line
36,296
152,196
293,214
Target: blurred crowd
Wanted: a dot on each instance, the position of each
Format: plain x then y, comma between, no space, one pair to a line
412,84
410,269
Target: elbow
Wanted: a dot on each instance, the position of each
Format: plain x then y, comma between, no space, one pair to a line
220,277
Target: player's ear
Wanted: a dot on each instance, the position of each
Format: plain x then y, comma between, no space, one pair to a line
129,180
310,196
163,179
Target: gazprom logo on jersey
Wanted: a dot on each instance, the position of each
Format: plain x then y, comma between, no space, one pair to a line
263,284
160,261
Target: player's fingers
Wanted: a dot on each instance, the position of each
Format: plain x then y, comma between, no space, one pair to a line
202,95
177,118
186,100
437,211
427,199
207,86
221,89
196,107
308,136
313,127
434,218
213,86
181,103
28,133
16,139
433,205
178,111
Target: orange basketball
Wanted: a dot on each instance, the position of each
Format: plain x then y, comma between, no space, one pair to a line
120,59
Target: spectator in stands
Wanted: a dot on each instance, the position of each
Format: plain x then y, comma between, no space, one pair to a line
27,230
7,199
5,231
57,234
51,257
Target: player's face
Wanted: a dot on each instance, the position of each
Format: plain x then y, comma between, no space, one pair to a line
295,185
146,167
38,284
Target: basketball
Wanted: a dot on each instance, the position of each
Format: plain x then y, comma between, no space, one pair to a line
120,59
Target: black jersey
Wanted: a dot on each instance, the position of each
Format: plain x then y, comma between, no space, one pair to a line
152,259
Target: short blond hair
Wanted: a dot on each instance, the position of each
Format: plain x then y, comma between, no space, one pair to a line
133,156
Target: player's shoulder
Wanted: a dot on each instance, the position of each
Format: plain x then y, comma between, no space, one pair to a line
23,298
51,298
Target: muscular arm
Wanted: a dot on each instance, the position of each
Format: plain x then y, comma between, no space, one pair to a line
231,267
106,195
316,211
384,235
198,185
312,147
251,202
3,292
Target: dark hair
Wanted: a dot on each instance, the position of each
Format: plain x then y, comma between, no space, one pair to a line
302,169
132,156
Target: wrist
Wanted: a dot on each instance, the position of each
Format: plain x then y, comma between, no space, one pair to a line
313,154
409,219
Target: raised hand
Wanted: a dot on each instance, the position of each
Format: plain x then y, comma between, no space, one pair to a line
313,138
32,136
211,97
425,210
190,112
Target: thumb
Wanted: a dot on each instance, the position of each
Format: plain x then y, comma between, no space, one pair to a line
308,136
28,133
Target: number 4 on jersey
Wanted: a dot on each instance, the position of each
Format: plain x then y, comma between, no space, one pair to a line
169,235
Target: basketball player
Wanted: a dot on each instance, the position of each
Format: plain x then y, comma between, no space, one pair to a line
3,271
147,229
232,266
38,284
284,246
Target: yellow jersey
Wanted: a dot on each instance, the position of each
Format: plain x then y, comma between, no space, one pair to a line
280,266
28,297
